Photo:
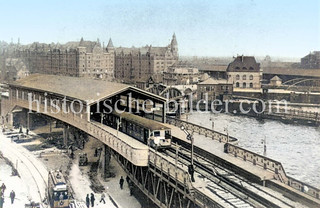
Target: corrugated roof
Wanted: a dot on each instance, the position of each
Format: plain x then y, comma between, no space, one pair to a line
84,89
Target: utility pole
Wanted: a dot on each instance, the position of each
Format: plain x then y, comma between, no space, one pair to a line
190,167
264,146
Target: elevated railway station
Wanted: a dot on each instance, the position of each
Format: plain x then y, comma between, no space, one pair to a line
138,139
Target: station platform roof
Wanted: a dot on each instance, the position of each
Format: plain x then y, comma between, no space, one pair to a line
84,89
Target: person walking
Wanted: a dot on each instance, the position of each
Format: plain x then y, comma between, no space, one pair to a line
12,196
3,188
121,182
102,198
92,200
128,180
88,201
131,188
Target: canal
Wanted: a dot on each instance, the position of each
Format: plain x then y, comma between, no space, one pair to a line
296,147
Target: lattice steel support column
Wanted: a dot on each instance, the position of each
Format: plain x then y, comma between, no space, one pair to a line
106,161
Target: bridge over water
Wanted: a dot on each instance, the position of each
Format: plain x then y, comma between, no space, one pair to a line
162,176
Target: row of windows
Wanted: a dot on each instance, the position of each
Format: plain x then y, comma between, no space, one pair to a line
212,88
244,68
244,85
244,77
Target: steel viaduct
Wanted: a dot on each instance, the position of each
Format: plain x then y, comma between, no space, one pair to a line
234,177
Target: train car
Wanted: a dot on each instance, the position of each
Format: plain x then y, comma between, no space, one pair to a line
140,128
57,190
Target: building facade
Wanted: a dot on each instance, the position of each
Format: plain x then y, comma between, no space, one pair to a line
181,74
214,89
132,64
79,59
245,72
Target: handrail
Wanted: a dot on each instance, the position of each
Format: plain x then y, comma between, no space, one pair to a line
202,130
274,166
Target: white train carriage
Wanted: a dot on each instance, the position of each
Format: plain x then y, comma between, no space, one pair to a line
140,128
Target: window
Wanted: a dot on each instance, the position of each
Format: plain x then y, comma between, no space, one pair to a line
244,77
156,133
251,77
244,68
222,87
237,84
237,68
251,68
237,77
251,85
244,85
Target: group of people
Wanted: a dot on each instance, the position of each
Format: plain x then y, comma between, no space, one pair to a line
130,184
2,190
90,199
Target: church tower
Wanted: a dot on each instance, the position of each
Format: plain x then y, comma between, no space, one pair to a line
174,46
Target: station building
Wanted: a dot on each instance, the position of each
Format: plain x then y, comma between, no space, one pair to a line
245,72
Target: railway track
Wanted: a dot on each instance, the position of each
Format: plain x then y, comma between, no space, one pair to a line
227,184
34,171
227,195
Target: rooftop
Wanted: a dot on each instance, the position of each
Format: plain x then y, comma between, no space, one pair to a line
292,71
244,63
276,78
212,81
84,89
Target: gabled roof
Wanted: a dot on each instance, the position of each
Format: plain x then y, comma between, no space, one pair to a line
276,78
84,89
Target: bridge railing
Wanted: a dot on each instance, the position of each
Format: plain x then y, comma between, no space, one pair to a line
296,113
170,168
273,166
136,156
202,130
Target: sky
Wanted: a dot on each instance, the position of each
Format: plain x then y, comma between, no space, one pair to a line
283,28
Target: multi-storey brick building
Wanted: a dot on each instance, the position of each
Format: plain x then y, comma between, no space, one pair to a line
181,74
244,72
214,89
82,59
135,63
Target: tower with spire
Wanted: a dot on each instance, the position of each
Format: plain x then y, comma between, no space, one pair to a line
110,47
174,46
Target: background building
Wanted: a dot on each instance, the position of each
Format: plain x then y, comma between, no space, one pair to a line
311,61
181,74
132,64
220,89
80,59
244,72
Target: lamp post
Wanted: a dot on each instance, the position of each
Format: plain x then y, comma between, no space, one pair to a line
190,167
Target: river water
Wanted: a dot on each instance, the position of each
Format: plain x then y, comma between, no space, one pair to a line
296,147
